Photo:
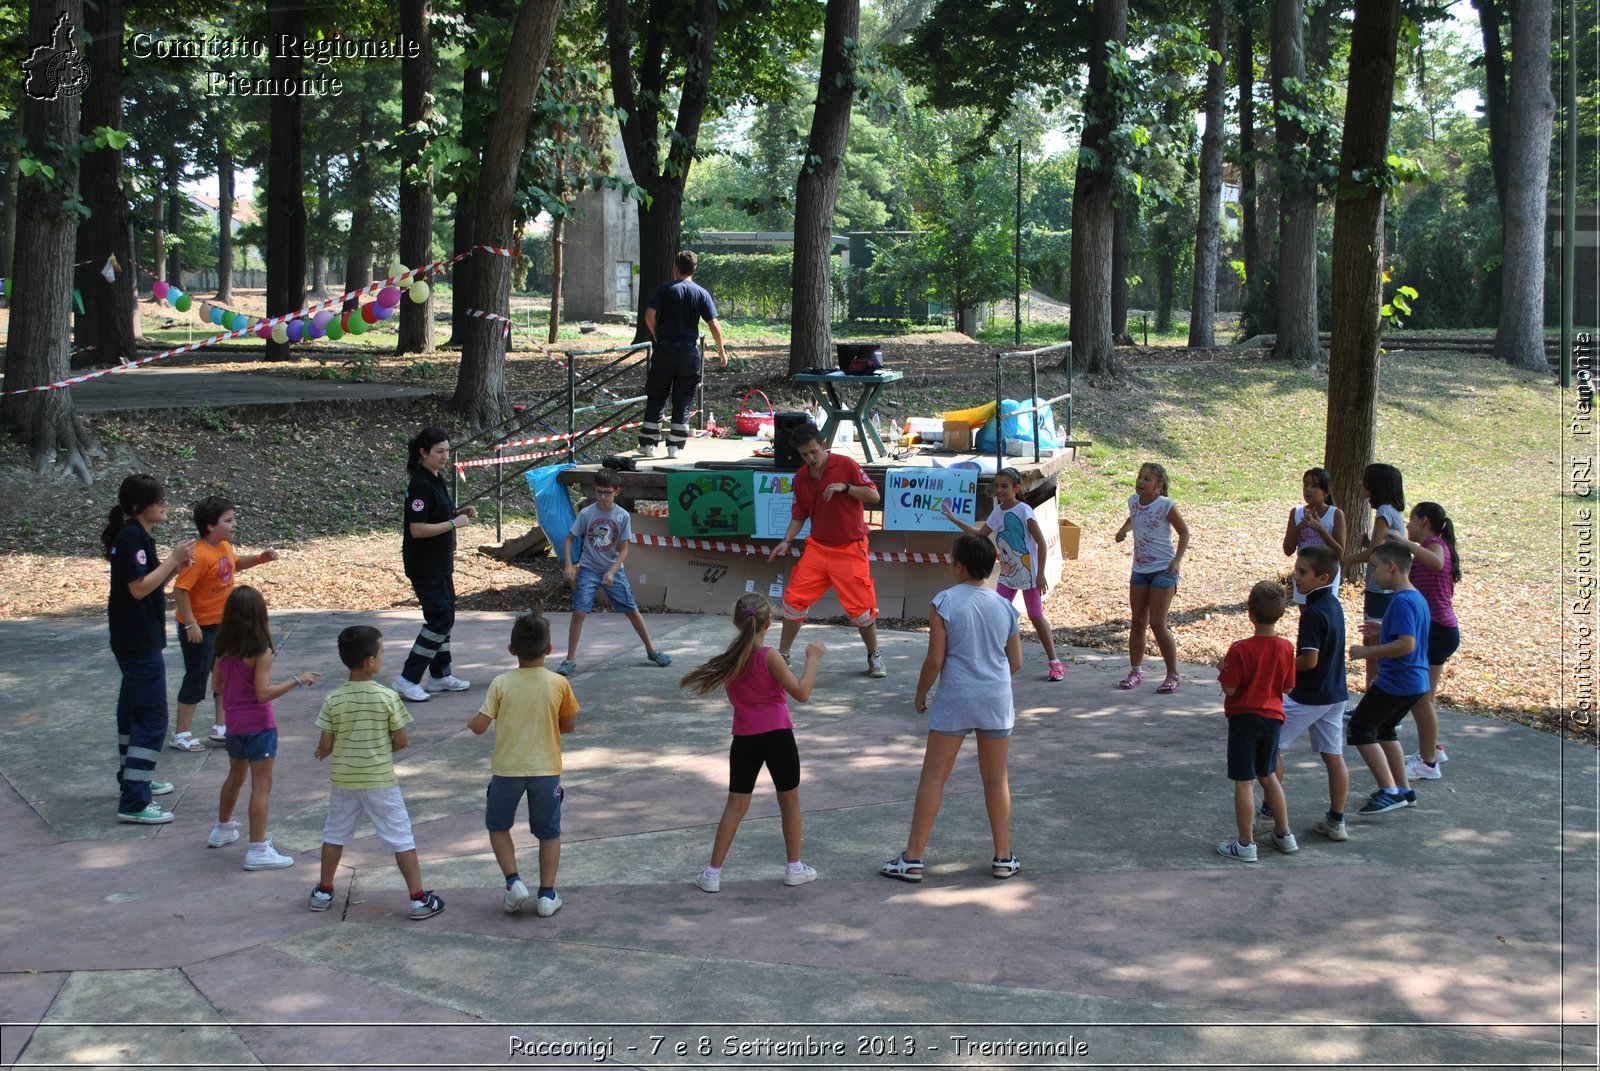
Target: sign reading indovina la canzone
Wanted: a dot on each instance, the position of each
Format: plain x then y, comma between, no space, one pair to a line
915,499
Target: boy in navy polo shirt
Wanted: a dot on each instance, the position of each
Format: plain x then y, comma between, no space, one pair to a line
1316,703
1255,675
1402,654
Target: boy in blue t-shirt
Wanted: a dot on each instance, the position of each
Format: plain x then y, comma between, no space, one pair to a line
1402,654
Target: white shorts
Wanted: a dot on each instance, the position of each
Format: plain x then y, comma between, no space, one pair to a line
1325,721
384,806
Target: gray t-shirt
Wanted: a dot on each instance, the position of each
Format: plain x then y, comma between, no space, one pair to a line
974,690
603,532
1392,518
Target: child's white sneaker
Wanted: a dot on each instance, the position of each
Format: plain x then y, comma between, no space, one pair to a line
1232,849
1285,843
223,833
264,856
545,906
516,896
799,875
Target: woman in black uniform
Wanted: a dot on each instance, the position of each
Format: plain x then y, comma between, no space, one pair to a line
428,547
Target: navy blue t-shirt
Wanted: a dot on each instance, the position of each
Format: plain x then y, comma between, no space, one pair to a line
138,626
680,306
1322,631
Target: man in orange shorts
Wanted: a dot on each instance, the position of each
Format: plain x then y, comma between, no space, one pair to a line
830,491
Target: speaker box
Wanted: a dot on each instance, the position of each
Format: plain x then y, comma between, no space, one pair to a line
785,457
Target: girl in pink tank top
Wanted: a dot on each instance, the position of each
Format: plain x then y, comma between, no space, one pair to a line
759,683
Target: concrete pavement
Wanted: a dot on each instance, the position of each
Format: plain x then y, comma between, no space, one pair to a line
1461,932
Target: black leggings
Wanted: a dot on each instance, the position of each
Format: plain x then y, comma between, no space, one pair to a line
775,750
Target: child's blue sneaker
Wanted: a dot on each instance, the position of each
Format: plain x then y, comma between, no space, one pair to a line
660,658
1384,802
567,667
427,907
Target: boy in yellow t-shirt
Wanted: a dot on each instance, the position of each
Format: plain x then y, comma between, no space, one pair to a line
532,707
363,724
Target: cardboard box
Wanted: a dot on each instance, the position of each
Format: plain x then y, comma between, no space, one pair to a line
957,436
1070,533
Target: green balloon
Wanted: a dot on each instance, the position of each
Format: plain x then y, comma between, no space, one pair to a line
335,332
183,303
358,326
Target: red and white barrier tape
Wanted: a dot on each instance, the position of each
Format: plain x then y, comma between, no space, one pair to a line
680,543
562,436
559,437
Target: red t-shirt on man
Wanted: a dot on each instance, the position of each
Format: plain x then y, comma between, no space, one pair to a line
838,520
1262,669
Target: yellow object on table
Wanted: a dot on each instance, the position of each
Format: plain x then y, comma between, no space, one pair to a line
976,417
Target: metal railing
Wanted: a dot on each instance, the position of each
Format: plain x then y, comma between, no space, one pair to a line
546,416
1033,392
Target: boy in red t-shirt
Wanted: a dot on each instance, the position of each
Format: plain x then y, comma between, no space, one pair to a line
830,492
1256,674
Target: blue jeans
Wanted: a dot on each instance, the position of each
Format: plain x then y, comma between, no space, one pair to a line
618,591
141,726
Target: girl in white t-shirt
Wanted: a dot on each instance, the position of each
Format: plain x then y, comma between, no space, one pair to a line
1152,518
1020,543
1318,521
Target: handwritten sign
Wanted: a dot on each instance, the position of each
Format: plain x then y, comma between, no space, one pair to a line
774,505
710,504
914,499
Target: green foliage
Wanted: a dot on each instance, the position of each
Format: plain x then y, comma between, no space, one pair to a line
758,285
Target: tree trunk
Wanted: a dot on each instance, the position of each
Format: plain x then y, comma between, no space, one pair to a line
175,199
481,387
286,202
1166,279
358,253
558,267
1244,63
8,216
817,190
1119,273
158,237
108,307
1496,100
322,227
1297,220
1208,226
224,221
1519,340
41,299
472,87
416,182
661,215
1093,214
1358,255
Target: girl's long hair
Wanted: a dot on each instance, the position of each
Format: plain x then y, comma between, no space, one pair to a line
1444,528
243,632
1385,487
137,492
752,613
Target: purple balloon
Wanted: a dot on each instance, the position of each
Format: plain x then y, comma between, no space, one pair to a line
313,331
381,311
320,320
295,329
389,297
263,331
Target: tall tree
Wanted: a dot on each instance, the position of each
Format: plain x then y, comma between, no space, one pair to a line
476,104
286,202
1519,339
1208,227
108,307
1358,252
1093,209
47,225
416,175
224,214
481,386
1297,188
817,190
1244,65
1495,95
358,253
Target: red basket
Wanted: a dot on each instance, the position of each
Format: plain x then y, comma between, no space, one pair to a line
747,421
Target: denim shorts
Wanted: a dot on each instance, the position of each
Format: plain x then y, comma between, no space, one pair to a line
544,804
253,747
618,591
1156,578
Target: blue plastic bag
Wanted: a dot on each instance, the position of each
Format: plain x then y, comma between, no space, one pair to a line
1019,427
552,503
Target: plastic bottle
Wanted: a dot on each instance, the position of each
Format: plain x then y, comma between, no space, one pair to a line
711,425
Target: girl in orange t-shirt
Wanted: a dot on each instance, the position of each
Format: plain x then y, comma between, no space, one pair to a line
200,593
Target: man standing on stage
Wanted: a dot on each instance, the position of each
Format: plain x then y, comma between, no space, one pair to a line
673,320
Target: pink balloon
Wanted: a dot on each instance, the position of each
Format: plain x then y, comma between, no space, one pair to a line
382,312
389,297
296,330
160,289
263,331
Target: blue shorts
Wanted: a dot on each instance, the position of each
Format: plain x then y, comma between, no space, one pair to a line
1442,643
253,747
1252,746
618,591
1375,603
1156,578
544,804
